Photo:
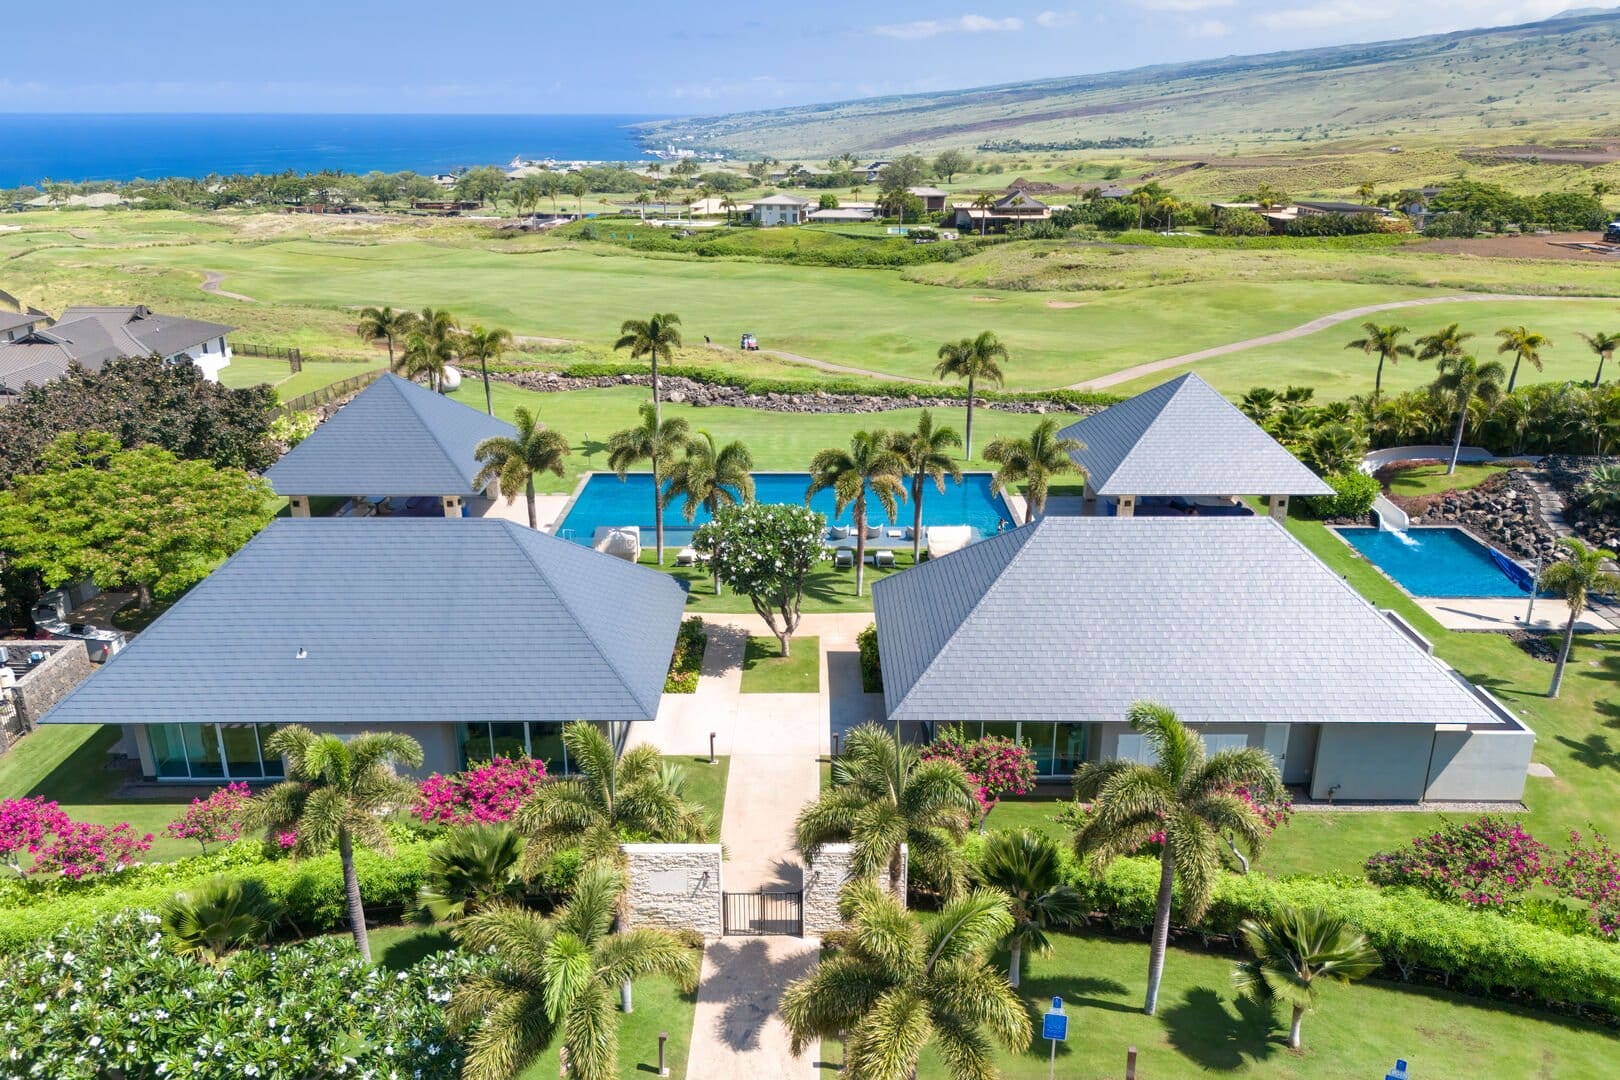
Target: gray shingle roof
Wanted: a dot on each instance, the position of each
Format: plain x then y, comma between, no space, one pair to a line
394,438
93,336
11,320
407,620
1184,438
1223,619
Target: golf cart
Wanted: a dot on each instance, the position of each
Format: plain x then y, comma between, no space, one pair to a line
749,343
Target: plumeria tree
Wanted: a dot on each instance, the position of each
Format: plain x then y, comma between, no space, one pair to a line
995,765
766,551
216,819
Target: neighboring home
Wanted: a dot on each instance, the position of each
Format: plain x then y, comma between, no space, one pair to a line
396,448
846,214
1114,194
35,675
714,206
475,638
1280,218
92,336
779,210
933,199
14,325
1048,633
872,170
1183,449
1013,208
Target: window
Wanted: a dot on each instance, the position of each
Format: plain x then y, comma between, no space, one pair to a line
1215,742
212,752
484,741
1133,747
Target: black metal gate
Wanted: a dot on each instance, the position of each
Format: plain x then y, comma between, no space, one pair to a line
764,912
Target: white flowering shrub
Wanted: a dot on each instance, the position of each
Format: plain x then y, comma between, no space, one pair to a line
766,551
110,1000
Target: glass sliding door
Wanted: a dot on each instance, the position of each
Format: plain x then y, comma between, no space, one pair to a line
1069,750
241,750
1037,739
168,751
203,750
508,741
272,762
545,744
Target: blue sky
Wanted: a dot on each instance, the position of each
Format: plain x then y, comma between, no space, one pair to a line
632,56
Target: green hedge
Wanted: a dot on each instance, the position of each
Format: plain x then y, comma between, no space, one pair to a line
1354,492
871,666
687,663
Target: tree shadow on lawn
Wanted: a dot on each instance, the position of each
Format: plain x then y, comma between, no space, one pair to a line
1593,751
1078,992
401,954
1204,1029
86,776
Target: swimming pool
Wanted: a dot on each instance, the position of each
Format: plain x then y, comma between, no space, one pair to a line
1441,561
607,501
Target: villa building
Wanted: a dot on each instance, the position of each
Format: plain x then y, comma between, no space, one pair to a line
1183,449
779,210
92,336
1048,633
14,324
476,638
1014,208
933,199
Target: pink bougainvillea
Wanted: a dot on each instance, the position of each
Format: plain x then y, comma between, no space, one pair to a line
24,825
81,848
214,820
483,794
1590,871
1485,862
995,765
286,839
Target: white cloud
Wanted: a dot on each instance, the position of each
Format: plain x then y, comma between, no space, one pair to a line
962,24
1183,7
1051,20
1330,13
1206,28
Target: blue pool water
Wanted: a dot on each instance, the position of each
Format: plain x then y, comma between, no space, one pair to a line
1434,562
607,501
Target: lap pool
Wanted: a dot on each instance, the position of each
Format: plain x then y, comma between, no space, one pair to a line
607,501
1440,561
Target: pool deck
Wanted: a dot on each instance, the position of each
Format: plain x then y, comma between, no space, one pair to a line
1507,613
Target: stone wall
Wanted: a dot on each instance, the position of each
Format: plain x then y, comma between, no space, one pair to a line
829,871
675,887
66,665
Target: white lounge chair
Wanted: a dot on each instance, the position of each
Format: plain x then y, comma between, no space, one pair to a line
686,557
882,557
843,559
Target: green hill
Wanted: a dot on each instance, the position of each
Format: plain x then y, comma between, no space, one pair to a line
1559,75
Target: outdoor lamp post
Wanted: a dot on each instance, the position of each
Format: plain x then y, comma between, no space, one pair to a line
663,1070
712,759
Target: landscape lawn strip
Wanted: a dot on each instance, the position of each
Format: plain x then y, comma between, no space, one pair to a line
1432,479
767,671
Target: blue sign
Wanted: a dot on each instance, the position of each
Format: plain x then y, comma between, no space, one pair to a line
1055,1026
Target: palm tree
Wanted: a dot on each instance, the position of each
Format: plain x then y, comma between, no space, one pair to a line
217,916
712,477
1027,866
428,351
1601,491
1385,343
884,796
1186,796
1525,345
1443,343
336,793
657,339
1032,462
1604,345
484,345
983,202
469,870
387,324
1577,579
897,984
1297,950
1463,378
655,442
925,457
972,359
1258,404
607,798
728,204
516,459
554,978
869,467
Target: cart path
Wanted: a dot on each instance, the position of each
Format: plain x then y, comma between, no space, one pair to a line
842,369
210,284
1303,330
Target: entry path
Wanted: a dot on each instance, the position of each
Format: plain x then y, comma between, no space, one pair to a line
1102,382
210,284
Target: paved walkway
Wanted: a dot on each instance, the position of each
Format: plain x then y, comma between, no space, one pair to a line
1507,613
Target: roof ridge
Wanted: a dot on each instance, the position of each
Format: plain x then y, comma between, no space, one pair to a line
427,424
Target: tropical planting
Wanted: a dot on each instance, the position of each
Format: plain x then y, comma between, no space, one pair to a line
925,452
870,468
469,870
213,819
766,552
656,442
515,460
1294,953
1032,462
1027,867
218,916
38,837
486,793
995,765
1577,579
972,359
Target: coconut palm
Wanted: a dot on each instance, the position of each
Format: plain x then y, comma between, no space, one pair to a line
654,441
712,477
882,796
925,457
1385,343
386,324
1604,346
656,338
553,979
217,916
728,204
1464,379
1524,345
1296,950
983,202
608,798
483,346
897,984
1185,795
514,460
335,795
469,870
1033,462
1445,342
869,468
972,359
1577,579
1027,866
427,356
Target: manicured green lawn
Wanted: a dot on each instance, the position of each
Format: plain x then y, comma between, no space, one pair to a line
767,671
827,589
1432,479
706,784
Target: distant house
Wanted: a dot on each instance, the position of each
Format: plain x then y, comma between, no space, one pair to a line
1114,194
1013,208
871,170
933,199
843,214
1280,218
14,325
92,336
779,210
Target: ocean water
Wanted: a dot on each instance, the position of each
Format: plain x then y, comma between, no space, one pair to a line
155,145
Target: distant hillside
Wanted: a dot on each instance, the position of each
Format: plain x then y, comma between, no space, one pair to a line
1561,73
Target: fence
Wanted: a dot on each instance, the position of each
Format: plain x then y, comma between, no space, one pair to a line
294,357
342,388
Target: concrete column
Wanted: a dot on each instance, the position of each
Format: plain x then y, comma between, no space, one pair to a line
1089,506
494,488
1127,506
1278,505
452,506
298,505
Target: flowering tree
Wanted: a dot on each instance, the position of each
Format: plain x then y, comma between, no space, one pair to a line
487,793
1485,862
80,848
24,825
214,820
765,551
1590,871
995,765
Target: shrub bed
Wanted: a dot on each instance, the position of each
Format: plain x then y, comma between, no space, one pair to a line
871,666
687,662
